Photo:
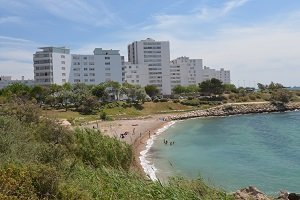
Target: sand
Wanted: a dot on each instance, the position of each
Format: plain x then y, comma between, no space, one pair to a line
138,131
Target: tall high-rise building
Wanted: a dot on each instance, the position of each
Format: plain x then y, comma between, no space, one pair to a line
156,56
103,66
51,65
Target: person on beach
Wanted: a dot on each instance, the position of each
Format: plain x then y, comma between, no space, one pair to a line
149,134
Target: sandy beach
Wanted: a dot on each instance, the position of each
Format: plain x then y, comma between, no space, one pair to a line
135,132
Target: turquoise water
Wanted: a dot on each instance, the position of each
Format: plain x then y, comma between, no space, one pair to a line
234,152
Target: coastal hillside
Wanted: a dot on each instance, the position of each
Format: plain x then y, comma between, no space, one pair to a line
40,159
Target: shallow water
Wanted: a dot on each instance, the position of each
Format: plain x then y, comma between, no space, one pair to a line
234,152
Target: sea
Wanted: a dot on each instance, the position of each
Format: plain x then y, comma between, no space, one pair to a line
230,152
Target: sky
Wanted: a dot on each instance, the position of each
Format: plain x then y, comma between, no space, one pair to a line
257,40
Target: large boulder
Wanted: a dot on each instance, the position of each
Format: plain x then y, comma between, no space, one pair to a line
250,193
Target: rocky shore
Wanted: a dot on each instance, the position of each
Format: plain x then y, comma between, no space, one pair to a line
252,193
236,109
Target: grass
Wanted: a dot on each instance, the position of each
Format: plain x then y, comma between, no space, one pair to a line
117,111
42,160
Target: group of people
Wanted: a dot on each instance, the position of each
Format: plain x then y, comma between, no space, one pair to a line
122,135
171,143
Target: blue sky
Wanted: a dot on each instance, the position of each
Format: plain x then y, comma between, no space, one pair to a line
258,40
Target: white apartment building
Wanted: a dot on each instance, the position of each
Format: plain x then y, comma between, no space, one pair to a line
222,75
185,71
103,66
137,74
7,80
51,65
156,56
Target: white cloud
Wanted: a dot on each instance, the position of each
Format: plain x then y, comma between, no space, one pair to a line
199,15
230,5
9,19
16,57
80,11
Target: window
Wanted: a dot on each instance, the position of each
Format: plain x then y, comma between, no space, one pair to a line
86,80
92,80
132,81
107,74
91,63
63,80
77,80
107,58
84,58
92,74
76,69
85,69
63,74
107,63
63,62
63,68
85,74
107,69
84,63
137,76
62,56
92,69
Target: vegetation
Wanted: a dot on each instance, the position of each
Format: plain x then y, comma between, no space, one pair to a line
41,160
152,90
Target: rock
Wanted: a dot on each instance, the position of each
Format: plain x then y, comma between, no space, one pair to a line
283,196
294,196
250,193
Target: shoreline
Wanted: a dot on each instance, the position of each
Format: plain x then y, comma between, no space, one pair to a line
157,124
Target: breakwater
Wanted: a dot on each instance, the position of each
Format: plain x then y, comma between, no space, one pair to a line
237,109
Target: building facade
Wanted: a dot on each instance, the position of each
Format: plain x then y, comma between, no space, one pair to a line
52,65
222,75
156,56
185,71
137,74
103,66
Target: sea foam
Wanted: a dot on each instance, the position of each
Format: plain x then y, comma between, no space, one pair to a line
149,167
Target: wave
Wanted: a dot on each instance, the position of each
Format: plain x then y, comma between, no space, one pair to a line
149,167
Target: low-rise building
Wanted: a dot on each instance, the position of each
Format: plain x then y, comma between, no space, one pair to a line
7,80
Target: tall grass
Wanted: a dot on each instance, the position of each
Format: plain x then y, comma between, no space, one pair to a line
42,160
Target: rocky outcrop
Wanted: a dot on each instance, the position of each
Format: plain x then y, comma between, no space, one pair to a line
236,109
250,193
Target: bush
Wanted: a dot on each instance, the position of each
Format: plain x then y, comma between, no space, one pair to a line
194,102
163,100
103,116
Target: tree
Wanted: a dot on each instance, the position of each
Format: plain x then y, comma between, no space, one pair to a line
178,89
100,92
261,86
114,88
213,86
39,93
134,92
275,86
230,88
17,89
152,90
281,96
192,89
